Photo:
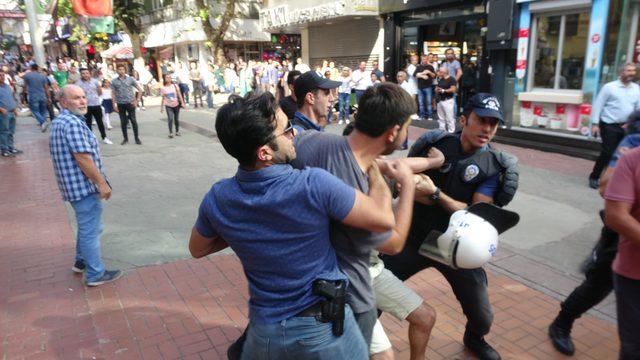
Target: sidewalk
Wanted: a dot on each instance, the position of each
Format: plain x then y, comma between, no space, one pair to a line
193,309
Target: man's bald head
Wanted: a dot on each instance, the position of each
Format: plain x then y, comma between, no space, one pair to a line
72,98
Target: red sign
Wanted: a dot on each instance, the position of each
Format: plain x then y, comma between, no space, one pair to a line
523,33
595,38
560,109
526,104
12,14
585,109
521,64
537,110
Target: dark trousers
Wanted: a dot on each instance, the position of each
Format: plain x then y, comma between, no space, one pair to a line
469,286
172,117
95,112
611,135
184,89
197,92
628,313
597,284
127,112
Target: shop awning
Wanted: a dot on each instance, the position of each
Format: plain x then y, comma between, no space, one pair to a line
119,51
190,30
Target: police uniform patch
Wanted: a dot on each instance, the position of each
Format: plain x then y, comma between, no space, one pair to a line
471,172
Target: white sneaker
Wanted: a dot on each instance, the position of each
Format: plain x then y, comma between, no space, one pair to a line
107,141
143,108
340,122
109,127
347,121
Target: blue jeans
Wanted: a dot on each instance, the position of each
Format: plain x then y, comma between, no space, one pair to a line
7,129
39,109
344,99
209,99
424,103
628,311
359,94
89,217
304,338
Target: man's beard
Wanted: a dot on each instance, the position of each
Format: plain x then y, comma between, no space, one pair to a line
79,112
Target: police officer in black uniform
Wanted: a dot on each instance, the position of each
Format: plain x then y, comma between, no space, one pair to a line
473,172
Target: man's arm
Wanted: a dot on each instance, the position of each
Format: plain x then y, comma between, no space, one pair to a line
618,217
403,210
372,212
434,159
99,89
200,246
88,167
425,188
459,72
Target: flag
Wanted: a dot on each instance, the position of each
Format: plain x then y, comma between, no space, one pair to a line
93,8
102,24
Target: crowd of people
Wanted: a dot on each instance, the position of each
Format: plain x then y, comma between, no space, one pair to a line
335,247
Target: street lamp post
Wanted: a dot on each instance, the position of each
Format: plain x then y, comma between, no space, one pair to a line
36,37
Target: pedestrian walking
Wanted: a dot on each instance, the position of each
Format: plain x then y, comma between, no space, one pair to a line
172,101
613,105
82,182
267,195
196,84
93,91
622,215
8,113
445,97
598,282
475,173
107,103
38,95
125,102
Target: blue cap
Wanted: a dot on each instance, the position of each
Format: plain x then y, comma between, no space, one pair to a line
485,105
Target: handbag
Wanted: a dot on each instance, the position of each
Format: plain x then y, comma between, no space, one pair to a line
178,92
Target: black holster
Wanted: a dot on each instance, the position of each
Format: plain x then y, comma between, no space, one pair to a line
332,311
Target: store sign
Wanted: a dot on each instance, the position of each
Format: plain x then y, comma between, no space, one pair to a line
521,60
282,16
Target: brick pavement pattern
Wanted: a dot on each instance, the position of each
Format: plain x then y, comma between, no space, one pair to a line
193,309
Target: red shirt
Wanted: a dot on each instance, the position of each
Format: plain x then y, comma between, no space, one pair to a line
625,187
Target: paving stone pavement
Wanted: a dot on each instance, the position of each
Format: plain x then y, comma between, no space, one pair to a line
193,309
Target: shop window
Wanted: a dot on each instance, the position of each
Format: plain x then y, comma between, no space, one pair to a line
409,43
559,50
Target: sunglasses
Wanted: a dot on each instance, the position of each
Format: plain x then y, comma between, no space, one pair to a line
288,129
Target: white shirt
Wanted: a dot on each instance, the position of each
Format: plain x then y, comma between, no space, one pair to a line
615,102
302,67
413,84
362,79
407,87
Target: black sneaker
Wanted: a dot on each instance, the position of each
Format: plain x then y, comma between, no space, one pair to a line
107,277
561,339
78,267
594,183
138,142
480,348
124,142
7,153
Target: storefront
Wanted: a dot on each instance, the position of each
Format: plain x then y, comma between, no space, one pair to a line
423,27
567,50
345,32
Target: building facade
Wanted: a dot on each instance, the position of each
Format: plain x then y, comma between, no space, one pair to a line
568,49
345,32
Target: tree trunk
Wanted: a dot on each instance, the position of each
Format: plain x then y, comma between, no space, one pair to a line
216,35
135,45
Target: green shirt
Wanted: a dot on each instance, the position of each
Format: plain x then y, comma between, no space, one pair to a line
61,77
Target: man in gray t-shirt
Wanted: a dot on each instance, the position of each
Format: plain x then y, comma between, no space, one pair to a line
38,95
381,127
125,102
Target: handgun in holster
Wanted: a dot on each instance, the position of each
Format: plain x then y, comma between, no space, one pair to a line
333,307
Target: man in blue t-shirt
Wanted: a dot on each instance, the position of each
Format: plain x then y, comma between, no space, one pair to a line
276,219
37,89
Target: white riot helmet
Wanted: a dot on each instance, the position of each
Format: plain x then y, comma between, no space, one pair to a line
471,238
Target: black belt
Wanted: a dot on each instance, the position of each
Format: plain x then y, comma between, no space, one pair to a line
314,310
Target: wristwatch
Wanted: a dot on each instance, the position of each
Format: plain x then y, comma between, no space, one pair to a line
436,195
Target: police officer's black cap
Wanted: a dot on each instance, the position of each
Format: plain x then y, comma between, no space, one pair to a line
485,105
310,81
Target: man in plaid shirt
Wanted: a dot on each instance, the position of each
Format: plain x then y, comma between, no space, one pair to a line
82,182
